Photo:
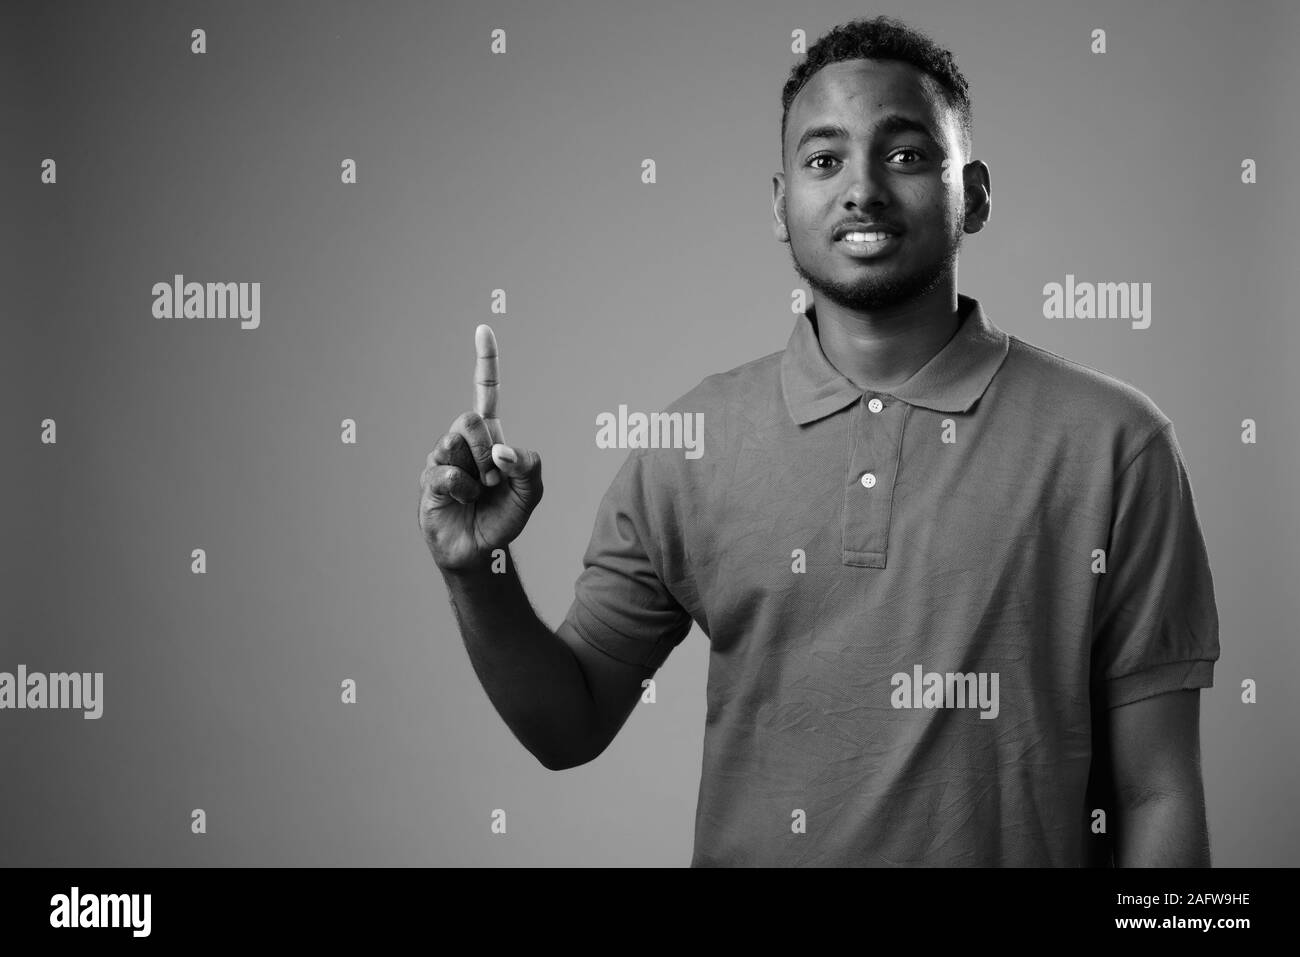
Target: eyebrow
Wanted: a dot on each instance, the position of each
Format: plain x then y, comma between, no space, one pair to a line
890,125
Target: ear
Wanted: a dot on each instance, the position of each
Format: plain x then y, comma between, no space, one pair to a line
779,229
978,195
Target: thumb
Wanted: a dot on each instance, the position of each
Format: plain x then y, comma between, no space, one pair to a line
518,465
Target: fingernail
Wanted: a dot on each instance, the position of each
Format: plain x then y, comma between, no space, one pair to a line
493,478
507,454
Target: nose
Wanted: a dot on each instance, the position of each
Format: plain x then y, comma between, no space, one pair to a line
866,185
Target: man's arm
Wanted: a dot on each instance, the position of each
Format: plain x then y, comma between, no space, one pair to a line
564,700
1159,817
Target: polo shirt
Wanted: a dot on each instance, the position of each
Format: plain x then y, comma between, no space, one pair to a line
918,602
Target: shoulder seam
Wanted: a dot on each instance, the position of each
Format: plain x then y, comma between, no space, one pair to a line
1142,448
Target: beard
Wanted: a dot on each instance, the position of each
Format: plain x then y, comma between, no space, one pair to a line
871,294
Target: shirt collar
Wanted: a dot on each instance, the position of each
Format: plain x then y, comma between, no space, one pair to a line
954,378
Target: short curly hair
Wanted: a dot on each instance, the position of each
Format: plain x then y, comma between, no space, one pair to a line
883,38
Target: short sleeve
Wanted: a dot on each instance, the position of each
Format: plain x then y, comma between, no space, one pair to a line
621,604
1155,622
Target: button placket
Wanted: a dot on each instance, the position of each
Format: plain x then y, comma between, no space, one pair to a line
876,436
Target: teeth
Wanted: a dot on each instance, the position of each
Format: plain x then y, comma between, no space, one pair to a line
866,237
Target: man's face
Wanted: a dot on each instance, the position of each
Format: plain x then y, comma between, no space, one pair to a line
884,164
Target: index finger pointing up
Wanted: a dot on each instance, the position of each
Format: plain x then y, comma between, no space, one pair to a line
487,382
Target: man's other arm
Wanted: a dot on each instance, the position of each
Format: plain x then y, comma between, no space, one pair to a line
1159,817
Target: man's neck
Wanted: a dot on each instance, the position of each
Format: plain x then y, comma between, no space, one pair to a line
879,351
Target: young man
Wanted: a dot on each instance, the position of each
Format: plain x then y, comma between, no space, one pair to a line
956,593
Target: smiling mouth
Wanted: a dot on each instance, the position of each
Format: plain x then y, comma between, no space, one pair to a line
864,245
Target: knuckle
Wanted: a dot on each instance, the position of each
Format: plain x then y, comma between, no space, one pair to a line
446,448
470,429
467,424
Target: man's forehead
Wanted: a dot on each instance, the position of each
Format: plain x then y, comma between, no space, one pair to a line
868,88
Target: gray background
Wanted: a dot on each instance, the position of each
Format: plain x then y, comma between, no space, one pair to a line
522,171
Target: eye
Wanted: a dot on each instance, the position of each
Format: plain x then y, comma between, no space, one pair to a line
819,156
908,149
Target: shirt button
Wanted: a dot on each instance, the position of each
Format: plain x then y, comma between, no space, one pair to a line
875,405
868,480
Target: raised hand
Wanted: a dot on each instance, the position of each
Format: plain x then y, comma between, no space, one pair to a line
466,510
